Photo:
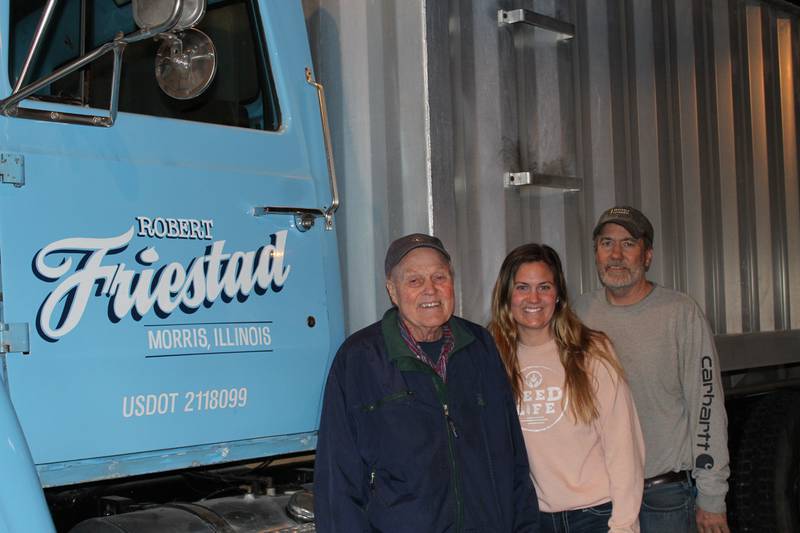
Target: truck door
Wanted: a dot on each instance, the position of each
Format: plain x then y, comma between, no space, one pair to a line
171,322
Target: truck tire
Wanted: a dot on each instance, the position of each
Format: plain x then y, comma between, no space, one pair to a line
766,465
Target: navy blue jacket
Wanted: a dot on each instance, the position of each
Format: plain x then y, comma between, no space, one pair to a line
401,451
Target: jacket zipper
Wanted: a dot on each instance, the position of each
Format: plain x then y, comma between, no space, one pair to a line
371,489
450,422
450,429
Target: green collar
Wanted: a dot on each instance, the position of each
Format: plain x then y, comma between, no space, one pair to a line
400,353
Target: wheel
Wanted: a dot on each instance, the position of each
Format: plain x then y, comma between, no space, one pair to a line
766,466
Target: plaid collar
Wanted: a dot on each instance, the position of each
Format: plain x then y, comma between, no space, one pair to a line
447,348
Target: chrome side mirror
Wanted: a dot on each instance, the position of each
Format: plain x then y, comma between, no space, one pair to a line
186,63
152,13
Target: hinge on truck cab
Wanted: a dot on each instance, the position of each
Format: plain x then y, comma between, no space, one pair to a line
12,169
14,338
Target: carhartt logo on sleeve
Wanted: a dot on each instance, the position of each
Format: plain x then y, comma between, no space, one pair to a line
707,377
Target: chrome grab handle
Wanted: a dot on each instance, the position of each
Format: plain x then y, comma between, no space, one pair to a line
304,216
323,111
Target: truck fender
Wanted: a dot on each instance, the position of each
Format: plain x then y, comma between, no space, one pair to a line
22,504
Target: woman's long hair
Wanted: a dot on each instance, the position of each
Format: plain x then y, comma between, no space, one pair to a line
577,344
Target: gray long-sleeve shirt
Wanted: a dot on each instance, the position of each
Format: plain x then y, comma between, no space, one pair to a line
667,349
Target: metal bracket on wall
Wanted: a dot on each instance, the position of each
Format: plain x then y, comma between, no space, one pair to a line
526,16
15,338
522,179
12,169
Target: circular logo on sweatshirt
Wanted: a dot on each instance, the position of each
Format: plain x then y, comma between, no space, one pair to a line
541,406
534,379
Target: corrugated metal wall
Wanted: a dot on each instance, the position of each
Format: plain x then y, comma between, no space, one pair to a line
686,109
370,56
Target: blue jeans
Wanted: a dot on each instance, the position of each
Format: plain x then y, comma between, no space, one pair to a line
668,508
587,520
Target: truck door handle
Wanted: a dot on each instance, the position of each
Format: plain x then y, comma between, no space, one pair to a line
304,216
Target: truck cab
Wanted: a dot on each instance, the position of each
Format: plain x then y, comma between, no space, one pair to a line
168,262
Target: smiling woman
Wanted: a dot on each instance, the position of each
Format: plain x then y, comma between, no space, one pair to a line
533,302
572,400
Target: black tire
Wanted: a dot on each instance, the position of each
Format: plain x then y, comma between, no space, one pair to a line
766,466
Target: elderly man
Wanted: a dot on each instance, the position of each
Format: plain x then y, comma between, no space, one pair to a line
419,432
667,348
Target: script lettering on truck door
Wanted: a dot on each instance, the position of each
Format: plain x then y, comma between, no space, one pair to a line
80,264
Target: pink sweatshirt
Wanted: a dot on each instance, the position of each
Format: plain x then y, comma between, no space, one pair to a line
575,465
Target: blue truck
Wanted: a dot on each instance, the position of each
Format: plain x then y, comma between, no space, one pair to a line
170,288
169,273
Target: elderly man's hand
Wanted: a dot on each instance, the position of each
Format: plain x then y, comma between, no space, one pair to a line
711,522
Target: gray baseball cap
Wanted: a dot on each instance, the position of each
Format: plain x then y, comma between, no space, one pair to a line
629,218
400,248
